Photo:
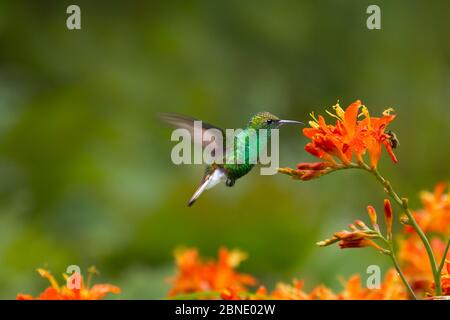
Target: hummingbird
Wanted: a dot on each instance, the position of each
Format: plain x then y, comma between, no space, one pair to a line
228,172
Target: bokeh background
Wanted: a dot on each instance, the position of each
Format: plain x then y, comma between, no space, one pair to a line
85,170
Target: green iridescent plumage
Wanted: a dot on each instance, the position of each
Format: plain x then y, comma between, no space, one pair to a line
239,163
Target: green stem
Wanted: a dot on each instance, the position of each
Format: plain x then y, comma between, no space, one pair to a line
441,266
403,203
397,267
402,276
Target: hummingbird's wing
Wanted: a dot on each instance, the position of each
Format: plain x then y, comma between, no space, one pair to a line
208,181
185,122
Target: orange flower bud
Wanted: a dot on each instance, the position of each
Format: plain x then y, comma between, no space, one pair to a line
356,238
372,214
311,174
327,242
361,224
304,165
288,171
373,217
360,243
388,217
314,165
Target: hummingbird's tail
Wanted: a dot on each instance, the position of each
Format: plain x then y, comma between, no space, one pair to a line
208,181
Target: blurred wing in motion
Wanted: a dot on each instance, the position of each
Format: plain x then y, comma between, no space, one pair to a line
185,122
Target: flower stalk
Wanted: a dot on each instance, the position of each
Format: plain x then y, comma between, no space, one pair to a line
391,253
403,203
360,235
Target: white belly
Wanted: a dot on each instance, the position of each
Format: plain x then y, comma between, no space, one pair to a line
217,177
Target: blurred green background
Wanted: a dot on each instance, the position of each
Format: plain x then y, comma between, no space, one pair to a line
85,170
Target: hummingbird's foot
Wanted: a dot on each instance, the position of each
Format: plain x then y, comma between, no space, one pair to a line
230,182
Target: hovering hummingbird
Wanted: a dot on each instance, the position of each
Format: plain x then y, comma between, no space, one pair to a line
225,171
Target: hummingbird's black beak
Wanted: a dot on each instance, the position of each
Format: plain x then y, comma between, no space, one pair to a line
281,122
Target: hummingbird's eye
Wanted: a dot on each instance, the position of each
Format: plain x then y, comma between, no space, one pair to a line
269,121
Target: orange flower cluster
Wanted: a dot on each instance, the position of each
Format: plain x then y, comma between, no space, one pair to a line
205,276
282,291
434,219
57,292
415,265
390,288
435,215
196,275
337,144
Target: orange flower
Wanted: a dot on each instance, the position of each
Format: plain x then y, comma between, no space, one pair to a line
339,141
435,216
373,131
414,261
349,137
57,292
195,275
282,291
390,288
295,292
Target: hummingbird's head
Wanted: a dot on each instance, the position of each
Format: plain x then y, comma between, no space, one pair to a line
266,120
